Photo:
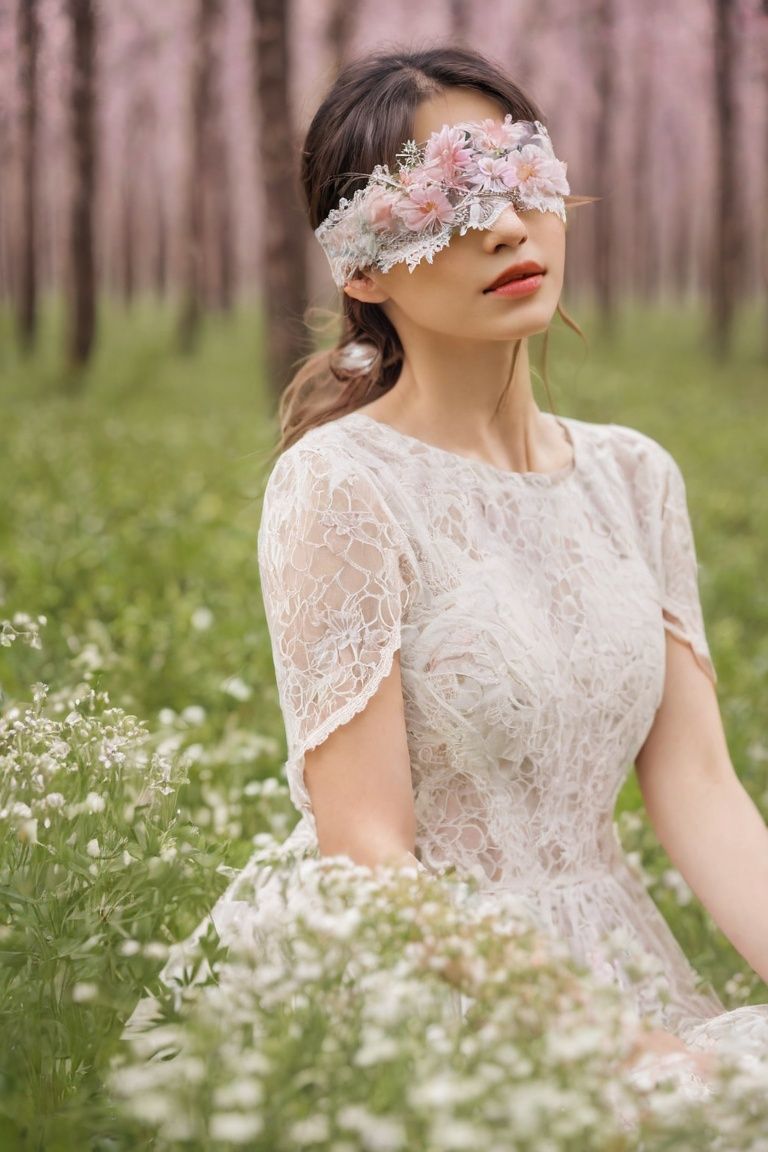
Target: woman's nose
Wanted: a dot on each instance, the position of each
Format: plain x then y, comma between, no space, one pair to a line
508,225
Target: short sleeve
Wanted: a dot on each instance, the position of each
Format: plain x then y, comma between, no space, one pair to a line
681,604
330,561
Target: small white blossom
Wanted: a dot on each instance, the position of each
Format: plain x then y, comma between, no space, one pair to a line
234,1127
202,619
237,687
83,992
193,714
94,803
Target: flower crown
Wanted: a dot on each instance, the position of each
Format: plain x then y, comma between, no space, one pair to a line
464,176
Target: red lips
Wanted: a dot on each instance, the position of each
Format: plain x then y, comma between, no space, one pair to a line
515,272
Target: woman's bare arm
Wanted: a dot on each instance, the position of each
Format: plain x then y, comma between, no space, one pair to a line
359,782
702,814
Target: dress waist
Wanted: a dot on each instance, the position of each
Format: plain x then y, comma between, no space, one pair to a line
547,883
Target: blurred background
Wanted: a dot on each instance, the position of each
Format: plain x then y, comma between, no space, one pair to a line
149,151
158,285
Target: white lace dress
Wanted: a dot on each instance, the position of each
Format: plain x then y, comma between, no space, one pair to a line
529,611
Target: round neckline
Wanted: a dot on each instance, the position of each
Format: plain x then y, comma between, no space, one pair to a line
541,479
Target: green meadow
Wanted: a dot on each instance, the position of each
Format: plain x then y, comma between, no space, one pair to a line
136,673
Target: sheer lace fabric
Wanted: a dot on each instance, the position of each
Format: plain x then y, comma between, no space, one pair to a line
529,610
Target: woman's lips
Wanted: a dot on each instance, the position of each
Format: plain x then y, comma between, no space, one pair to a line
520,287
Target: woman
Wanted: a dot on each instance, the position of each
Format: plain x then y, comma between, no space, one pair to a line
482,613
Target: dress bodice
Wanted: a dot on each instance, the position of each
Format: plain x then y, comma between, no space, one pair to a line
529,613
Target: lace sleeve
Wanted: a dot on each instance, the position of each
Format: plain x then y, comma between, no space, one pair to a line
681,604
329,560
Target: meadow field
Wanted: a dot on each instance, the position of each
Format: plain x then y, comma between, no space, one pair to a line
141,741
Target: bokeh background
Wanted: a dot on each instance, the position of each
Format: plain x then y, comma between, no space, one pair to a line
158,285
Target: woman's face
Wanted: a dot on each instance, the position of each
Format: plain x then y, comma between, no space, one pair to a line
447,295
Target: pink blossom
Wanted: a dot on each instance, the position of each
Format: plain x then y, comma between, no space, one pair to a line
423,205
378,206
447,155
491,135
494,174
533,171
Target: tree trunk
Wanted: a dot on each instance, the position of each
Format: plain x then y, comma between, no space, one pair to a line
193,268
645,240
340,31
605,69
460,14
160,261
29,40
727,249
81,294
219,179
283,236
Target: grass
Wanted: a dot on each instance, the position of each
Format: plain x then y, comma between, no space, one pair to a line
129,522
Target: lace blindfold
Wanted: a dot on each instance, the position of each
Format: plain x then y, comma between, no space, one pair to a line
464,176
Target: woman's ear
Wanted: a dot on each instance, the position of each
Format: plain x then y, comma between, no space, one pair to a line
362,287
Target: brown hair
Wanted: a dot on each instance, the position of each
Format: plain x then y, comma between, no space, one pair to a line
363,121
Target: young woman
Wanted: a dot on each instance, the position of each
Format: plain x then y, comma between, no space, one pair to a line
482,613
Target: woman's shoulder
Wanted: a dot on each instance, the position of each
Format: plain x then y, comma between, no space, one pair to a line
322,455
326,474
334,458
638,454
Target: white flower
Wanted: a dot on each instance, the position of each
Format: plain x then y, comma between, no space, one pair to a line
83,992
27,832
94,802
155,950
239,1094
313,1130
202,619
130,947
92,847
234,1127
237,687
193,714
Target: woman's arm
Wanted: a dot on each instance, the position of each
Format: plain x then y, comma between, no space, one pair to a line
359,782
703,816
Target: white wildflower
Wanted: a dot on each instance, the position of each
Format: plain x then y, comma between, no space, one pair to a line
83,992
237,687
234,1127
193,714
201,619
313,1130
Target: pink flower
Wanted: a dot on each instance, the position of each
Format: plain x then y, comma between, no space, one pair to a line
494,174
491,135
377,211
533,171
447,155
424,204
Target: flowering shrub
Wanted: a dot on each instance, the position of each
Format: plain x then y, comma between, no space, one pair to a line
386,1010
97,873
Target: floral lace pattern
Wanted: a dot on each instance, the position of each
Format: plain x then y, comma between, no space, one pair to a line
464,176
529,611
